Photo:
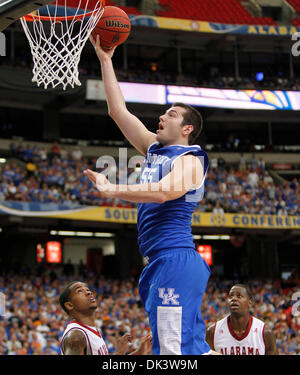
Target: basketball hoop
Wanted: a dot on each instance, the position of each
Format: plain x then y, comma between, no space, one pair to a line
56,40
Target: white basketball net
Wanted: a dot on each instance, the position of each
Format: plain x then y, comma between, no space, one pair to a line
56,43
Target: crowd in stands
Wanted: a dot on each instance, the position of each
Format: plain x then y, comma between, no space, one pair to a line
248,188
53,176
215,79
56,176
33,321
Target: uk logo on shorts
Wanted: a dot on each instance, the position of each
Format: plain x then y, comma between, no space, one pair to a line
169,297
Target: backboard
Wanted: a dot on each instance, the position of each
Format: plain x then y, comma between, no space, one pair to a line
12,10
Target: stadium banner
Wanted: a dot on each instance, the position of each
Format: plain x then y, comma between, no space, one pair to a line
210,27
129,216
188,25
216,28
149,93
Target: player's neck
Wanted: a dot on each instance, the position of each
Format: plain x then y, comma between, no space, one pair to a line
182,142
239,323
87,320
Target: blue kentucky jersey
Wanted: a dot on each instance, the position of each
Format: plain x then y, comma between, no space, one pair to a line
167,225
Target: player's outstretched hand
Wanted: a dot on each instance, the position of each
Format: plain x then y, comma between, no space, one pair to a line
99,50
145,346
100,181
122,344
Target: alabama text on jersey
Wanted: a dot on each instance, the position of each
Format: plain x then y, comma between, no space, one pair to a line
252,342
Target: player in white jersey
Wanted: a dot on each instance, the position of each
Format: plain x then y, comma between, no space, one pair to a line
81,335
240,333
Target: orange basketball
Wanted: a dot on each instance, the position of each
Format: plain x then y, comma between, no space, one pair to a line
113,27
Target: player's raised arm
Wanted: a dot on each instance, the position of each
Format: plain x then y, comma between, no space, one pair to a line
132,128
187,174
74,343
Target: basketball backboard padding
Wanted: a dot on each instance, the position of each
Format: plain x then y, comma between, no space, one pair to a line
12,10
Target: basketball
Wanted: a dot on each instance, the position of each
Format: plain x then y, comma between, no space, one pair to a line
113,27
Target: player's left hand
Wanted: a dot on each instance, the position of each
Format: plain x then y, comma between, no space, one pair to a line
145,345
122,344
100,181
99,50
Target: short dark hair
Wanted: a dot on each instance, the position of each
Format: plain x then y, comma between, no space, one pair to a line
191,117
247,289
65,295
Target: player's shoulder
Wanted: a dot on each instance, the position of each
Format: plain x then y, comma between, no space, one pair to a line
190,153
191,150
211,327
153,146
74,337
74,330
223,320
195,151
74,334
257,321
73,342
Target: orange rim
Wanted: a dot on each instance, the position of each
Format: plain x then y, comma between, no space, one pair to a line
32,17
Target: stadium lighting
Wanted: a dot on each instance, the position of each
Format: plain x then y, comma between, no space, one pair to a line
259,76
215,237
66,233
2,160
84,234
197,237
225,237
108,235
211,237
80,234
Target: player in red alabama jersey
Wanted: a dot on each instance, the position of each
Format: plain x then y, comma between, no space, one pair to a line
81,336
240,333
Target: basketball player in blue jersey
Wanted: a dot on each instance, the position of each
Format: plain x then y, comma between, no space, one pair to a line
173,283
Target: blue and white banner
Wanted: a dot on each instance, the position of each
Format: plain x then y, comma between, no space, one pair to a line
129,216
36,209
200,96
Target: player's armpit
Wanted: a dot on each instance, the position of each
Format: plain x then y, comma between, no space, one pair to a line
74,343
270,340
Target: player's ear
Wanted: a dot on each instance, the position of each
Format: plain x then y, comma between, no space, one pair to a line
188,129
250,303
69,306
